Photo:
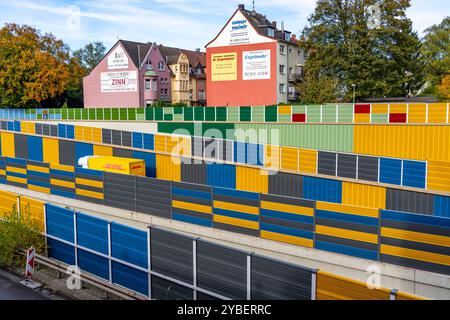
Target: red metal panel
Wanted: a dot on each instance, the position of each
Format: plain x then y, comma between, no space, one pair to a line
301,117
397,118
362,108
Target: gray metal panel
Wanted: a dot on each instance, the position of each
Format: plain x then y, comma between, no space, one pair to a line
409,201
67,152
123,153
285,184
346,166
106,136
119,190
288,200
367,168
326,163
211,148
416,264
46,129
4,125
226,150
193,172
153,197
275,280
116,137
197,146
126,138
54,130
166,290
222,270
171,254
38,128
21,146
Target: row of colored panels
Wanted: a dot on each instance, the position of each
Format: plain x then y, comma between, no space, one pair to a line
343,229
434,176
171,255
328,113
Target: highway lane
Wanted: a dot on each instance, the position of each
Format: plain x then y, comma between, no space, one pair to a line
11,289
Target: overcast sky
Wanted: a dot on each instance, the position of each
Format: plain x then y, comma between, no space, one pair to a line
183,23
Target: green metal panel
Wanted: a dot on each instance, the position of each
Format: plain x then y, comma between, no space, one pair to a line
233,114
345,113
178,110
168,110
131,113
92,114
107,114
245,114
123,114
284,118
99,114
329,113
221,113
210,114
84,114
178,117
158,114
77,114
271,114
168,117
149,113
140,112
188,114
380,118
218,130
63,113
258,114
313,113
179,127
199,114
70,114
39,116
115,114
298,109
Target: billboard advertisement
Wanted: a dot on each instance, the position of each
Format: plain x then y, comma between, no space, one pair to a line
256,65
118,59
123,81
224,66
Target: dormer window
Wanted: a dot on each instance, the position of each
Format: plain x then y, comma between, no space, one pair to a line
161,66
148,65
270,32
287,36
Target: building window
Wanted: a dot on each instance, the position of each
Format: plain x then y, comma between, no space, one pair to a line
290,50
282,50
282,88
155,85
161,66
270,32
282,69
148,65
287,36
201,95
148,84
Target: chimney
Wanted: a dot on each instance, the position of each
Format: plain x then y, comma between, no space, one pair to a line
241,7
197,50
274,24
282,26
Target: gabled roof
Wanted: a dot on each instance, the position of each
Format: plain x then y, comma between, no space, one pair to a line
136,50
172,54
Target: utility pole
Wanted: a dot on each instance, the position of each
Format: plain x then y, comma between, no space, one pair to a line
354,92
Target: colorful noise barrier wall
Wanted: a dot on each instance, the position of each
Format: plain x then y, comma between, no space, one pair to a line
342,229
422,113
165,265
433,175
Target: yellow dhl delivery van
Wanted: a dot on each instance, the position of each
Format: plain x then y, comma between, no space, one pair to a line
114,164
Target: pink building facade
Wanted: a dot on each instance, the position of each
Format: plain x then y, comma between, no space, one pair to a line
131,74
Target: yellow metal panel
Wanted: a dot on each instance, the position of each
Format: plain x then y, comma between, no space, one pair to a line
437,113
16,179
88,134
2,172
35,209
284,110
430,142
236,207
363,195
304,211
289,158
438,177
347,234
287,239
308,160
32,128
250,179
7,201
90,194
38,169
97,135
160,143
416,254
8,148
191,206
61,167
24,127
91,183
334,207
168,167
178,145
103,151
79,133
380,108
237,222
50,150
417,113
62,183
16,170
398,108
272,157
416,236
38,188
362,117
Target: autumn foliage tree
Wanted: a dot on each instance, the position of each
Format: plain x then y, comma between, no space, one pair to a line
444,87
34,67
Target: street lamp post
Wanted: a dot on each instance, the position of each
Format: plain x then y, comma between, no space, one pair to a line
354,92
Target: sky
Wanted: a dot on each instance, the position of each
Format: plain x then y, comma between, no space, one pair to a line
188,24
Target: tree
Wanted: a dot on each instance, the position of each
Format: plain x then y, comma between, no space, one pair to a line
381,61
436,52
317,90
90,55
33,67
444,87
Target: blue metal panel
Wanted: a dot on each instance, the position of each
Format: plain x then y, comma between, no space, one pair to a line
70,131
129,244
61,193
62,130
61,251
10,125
240,152
92,233
322,189
59,222
130,278
83,149
149,141
192,220
414,173
35,152
17,126
93,264
17,161
91,172
137,140
221,175
415,218
150,162
442,206
255,154
236,193
390,171
347,250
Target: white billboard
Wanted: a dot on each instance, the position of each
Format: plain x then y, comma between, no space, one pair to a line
256,65
120,81
118,59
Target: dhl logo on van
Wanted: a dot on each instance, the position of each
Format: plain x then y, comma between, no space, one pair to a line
112,166
137,166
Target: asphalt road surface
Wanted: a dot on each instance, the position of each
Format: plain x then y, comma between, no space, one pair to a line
11,289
